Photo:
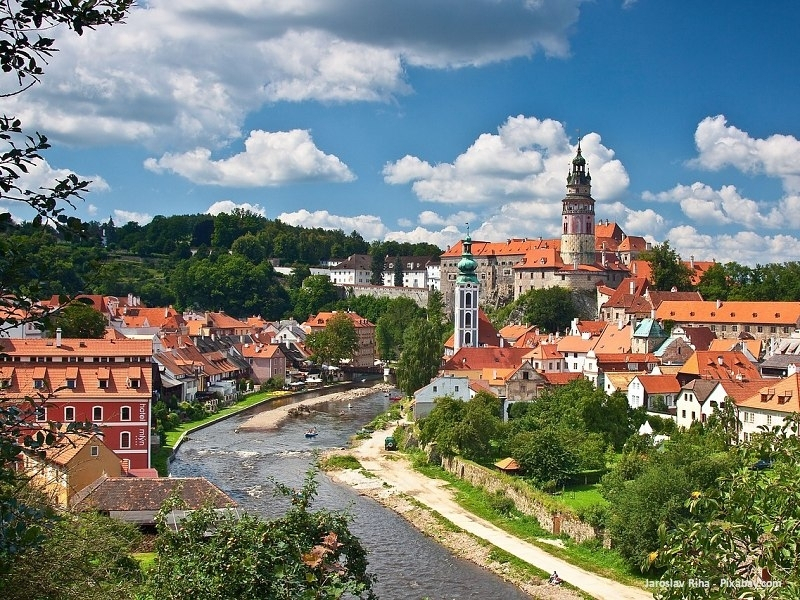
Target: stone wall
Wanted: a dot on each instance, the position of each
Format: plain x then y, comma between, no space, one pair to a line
418,295
550,518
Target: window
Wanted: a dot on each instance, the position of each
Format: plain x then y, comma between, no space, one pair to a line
102,384
97,413
133,383
125,440
71,384
38,384
683,414
456,387
773,329
769,419
125,413
724,328
41,413
95,450
734,328
760,329
69,413
434,388
747,328
693,415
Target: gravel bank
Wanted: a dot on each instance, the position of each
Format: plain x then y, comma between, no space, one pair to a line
270,419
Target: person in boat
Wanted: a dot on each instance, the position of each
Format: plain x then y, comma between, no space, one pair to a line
554,579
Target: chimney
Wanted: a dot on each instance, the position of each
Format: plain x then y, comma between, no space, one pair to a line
633,287
719,303
58,337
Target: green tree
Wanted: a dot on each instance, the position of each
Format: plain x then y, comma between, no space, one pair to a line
87,556
714,283
442,425
543,456
481,427
435,310
398,272
667,269
421,357
317,293
78,320
391,327
745,529
336,343
552,309
303,554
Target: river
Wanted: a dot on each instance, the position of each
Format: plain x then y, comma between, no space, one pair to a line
408,565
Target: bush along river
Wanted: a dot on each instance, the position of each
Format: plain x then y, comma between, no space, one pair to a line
408,565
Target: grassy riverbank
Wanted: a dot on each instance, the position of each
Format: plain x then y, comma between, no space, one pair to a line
159,460
590,555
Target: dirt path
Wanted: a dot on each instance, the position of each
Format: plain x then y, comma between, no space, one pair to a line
393,474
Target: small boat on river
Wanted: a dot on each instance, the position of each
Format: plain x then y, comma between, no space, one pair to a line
312,433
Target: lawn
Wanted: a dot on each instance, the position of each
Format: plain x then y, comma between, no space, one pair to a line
580,497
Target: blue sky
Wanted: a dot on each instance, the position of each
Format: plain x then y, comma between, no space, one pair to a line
405,120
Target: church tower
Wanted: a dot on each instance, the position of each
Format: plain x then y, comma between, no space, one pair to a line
466,299
577,235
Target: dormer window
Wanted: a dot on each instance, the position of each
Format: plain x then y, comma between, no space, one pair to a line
133,383
103,373
134,377
38,384
72,377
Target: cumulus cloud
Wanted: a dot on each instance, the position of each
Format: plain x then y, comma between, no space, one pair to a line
154,80
528,159
126,216
269,158
41,175
369,226
743,247
228,206
726,206
720,145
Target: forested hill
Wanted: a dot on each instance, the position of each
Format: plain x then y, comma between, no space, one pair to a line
217,262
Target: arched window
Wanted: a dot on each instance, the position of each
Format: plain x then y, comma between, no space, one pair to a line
125,413
468,339
468,320
125,440
468,300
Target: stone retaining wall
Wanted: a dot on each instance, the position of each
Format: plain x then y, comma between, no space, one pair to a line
550,519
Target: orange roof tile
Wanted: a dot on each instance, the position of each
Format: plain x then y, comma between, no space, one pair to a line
770,313
782,395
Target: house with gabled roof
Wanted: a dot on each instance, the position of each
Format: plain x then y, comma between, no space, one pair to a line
618,381
523,384
414,269
617,307
514,332
546,358
69,465
700,398
574,349
655,393
770,406
267,361
138,500
471,362
453,386
356,269
722,366
751,348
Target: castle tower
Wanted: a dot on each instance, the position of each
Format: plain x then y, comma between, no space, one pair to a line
466,298
577,234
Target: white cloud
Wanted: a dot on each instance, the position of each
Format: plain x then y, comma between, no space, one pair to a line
720,145
726,206
369,226
228,206
183,73
41,176
527,159
428,217
269,158
743,247
91,209
122,217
